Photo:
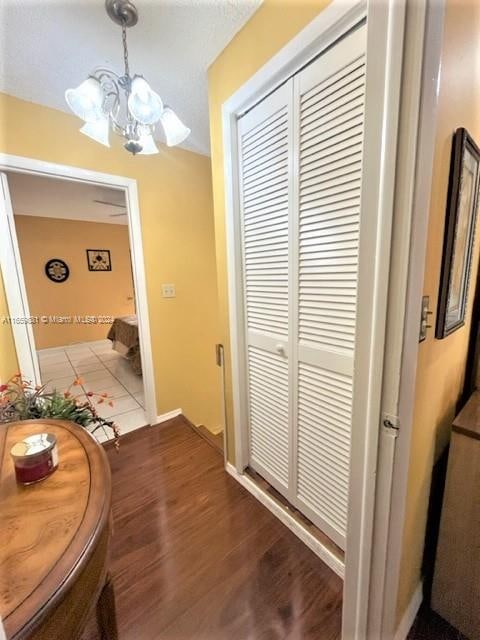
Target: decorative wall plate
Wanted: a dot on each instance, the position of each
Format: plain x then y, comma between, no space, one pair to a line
57,270
99,260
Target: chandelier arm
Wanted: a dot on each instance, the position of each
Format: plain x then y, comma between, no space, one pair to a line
114,109
100,73
109,83
117,127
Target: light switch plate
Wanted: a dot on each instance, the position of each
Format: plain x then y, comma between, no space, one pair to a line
168,291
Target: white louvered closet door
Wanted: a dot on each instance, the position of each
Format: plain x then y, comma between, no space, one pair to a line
265,186
329,97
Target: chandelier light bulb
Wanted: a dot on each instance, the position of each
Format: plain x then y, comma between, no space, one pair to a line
86,100
98,131
175,131
148,144
143,103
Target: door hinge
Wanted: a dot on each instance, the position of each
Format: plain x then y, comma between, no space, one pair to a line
391,423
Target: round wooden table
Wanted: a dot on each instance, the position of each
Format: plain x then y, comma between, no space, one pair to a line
54,539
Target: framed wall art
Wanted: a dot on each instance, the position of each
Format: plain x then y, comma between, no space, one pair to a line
462,203
99,260
57,270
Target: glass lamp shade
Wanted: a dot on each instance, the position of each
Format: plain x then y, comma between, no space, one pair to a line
143,103
86,100
148,144
97,130
175,131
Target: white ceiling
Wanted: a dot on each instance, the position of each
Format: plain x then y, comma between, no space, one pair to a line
47,46
53,198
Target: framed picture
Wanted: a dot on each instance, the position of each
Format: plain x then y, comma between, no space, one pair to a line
462,202
99,260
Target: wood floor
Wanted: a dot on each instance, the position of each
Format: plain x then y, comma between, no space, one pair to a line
196,557
430,626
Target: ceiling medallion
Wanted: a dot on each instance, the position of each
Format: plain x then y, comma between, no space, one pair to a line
125,104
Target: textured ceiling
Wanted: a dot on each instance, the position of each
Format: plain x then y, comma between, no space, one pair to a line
53,198
47,46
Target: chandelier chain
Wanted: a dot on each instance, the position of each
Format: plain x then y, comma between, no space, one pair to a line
125,49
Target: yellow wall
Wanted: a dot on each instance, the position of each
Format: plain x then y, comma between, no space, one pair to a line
274,24
8,356
85,293
178,238
441,363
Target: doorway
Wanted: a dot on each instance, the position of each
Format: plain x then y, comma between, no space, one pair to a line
75,248
390,92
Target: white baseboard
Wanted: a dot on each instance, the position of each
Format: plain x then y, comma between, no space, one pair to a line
168,416
410,614
163,418
214,430
289,521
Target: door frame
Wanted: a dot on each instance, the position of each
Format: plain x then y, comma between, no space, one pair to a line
366,599
416,151
15,289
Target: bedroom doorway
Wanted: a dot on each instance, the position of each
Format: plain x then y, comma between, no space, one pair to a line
77,303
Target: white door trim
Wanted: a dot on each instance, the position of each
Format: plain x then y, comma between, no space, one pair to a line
410,614
385,39
388,26
15,291
414,183
16,296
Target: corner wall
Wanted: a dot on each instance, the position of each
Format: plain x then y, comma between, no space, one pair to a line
441,363
175,199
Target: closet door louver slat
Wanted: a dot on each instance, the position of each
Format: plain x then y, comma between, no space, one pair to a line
300,152
331,114
265,153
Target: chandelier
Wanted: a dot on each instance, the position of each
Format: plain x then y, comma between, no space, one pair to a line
125,104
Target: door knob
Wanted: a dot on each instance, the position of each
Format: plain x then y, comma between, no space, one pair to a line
280,349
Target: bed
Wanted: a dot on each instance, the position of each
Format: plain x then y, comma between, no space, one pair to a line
124,336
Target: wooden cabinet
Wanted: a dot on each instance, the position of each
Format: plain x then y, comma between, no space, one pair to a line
456,584
54,539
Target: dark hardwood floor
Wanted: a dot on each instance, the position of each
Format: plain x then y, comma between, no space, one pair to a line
430,626
195,556
215,439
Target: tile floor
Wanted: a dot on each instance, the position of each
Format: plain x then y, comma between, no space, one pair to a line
101,369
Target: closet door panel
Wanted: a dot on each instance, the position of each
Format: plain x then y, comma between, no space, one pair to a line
265,187
269,414
330,96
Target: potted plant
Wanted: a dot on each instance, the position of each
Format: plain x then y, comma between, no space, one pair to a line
21,400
